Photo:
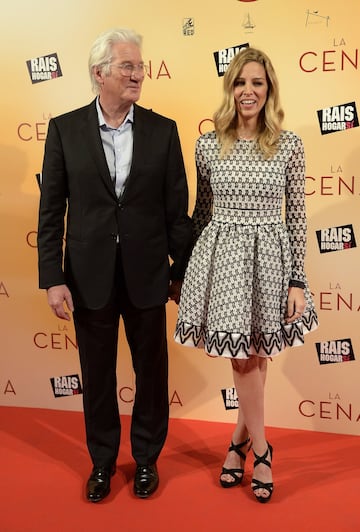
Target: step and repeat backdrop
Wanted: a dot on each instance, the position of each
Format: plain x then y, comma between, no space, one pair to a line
187,47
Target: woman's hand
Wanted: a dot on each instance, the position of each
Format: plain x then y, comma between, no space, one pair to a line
174,291
296,304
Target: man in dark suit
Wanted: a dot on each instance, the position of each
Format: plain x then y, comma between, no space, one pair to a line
113,182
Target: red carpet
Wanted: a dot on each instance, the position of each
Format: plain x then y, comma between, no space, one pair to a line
45,464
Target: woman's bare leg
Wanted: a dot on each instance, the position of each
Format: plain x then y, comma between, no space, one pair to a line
249,381
233,460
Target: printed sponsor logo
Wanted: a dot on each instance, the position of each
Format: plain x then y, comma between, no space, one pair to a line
3,289
334,298
39,179
66,385
338,118
7,387
127,395
44,68
334,408
335,351
223,57
336,60
230,398
333,183
188,27
336,238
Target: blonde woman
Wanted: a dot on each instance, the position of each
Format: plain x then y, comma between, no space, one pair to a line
245,295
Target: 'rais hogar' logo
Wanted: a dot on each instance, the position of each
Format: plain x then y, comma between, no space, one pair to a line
66,385
223,57
230,398
44,68
335,351
336,238
338,118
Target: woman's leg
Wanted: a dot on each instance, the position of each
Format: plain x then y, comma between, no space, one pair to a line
249,380
233,460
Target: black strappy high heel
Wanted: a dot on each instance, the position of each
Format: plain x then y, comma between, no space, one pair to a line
236,473
258,484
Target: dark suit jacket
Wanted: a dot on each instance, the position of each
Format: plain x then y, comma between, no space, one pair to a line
150,218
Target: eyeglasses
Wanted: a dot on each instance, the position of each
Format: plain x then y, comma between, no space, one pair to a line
128,69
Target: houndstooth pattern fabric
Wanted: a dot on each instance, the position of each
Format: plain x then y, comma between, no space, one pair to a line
234,296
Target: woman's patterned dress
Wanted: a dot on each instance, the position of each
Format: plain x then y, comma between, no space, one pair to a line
248,248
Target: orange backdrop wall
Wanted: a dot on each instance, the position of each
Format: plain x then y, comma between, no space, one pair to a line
315,50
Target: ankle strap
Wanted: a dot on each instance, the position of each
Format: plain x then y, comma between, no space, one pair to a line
237,447
262,459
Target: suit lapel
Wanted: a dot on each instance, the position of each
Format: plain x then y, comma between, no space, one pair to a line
141,131
96,148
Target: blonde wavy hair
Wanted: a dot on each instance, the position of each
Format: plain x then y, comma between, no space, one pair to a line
271,115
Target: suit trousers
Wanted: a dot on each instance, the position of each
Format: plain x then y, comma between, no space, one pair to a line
97,337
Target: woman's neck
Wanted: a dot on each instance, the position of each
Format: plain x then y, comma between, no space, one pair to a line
247,131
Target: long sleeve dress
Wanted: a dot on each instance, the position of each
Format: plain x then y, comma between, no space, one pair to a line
248,248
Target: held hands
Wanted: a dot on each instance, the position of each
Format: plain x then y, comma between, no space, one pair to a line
57,296
296,304
174,291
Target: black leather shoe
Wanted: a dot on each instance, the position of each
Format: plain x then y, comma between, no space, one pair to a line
146,480
98,485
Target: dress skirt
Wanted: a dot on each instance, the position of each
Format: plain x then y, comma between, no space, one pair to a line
234,296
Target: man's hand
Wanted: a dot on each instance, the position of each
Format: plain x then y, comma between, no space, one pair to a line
174,291
57,296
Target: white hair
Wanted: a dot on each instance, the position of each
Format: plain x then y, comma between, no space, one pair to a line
101,51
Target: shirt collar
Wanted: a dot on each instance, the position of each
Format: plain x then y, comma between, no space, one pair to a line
102,123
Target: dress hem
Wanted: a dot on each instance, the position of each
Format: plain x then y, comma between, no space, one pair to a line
241,346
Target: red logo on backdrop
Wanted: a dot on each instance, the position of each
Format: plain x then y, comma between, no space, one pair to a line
333,185
126,395
156,70
55,340
7,388
333,409
335,299
3,290
329,60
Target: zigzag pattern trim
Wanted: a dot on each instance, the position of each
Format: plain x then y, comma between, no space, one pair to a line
238,345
